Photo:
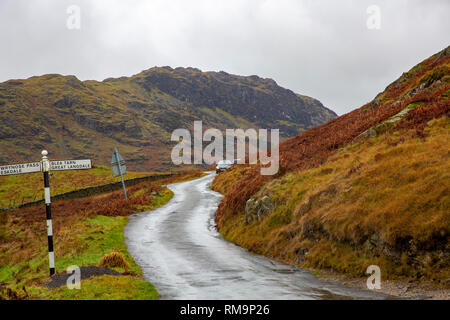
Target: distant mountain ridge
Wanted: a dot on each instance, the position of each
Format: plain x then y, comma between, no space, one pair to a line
137,114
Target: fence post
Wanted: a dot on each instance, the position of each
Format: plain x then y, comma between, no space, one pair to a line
48,211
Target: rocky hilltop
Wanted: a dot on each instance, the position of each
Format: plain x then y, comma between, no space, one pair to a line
86,119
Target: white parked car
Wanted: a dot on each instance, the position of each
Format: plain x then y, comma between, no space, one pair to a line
223,165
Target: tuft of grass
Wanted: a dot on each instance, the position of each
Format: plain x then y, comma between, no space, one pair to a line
114,260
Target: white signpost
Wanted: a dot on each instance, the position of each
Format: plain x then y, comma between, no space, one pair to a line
20,168
45,166
70,165
59,165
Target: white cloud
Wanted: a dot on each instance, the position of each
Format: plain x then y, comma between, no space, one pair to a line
321,48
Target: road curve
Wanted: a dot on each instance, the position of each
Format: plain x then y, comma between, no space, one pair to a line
182,254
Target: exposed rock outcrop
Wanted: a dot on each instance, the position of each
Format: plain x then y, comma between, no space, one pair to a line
257,210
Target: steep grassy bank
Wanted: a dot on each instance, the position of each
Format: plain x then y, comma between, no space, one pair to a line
383,201
426,86
369,187
84,230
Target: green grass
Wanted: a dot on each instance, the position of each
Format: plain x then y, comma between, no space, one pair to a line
104,235
99,288
90,240
159,201
82,238
96,237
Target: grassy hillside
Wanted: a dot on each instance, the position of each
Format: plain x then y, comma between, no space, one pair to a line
383,201
18,189
87,119
369,187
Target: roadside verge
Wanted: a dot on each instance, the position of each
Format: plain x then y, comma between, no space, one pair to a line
85,230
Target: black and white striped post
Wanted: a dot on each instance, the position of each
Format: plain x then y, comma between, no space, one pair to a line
48,211
44,166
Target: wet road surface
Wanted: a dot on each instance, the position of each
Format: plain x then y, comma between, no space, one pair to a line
183,255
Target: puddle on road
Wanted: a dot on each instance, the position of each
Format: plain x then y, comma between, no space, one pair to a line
285,271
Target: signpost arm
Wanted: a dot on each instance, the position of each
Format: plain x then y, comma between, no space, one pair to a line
120,172
48,211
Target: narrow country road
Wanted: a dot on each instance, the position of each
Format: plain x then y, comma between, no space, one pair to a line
182,254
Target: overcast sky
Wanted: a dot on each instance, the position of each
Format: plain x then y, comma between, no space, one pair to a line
323,49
